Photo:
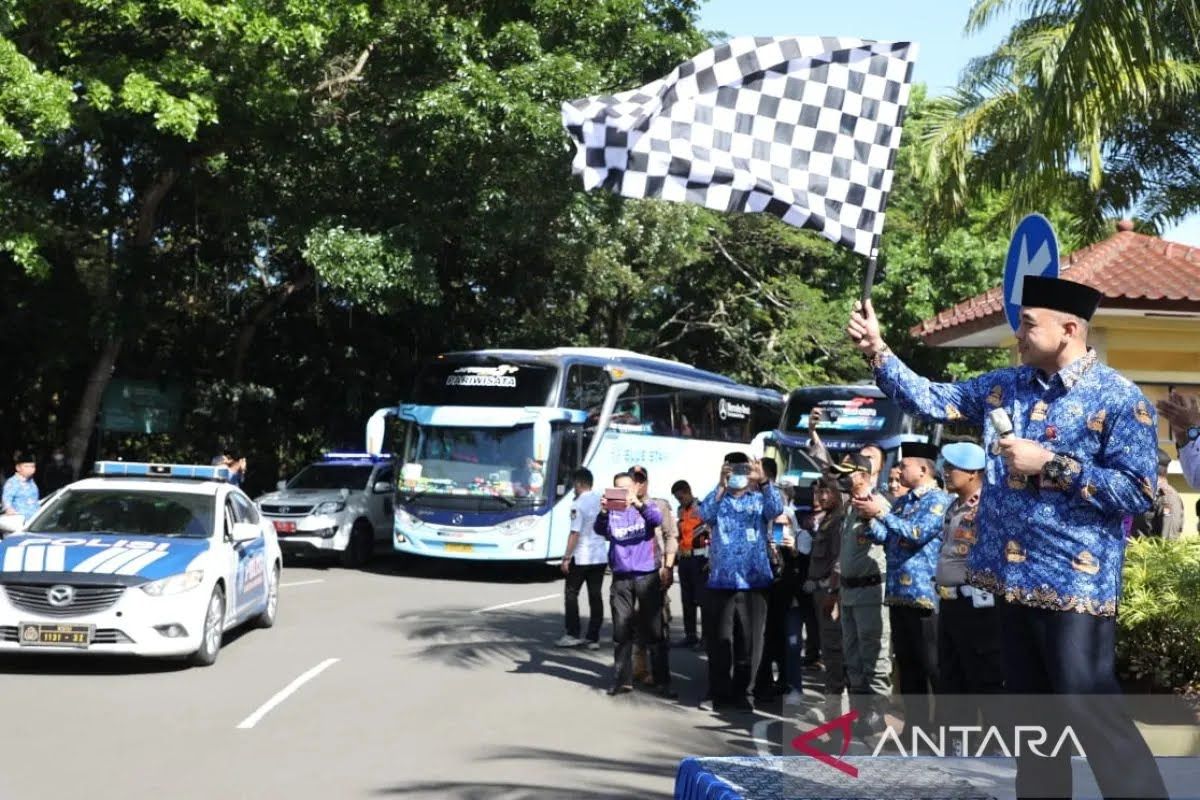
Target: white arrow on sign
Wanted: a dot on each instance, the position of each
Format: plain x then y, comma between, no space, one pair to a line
1036,267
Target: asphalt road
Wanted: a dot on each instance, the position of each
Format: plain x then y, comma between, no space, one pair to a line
435,692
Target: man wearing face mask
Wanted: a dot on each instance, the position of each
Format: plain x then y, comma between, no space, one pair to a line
740,512
55,474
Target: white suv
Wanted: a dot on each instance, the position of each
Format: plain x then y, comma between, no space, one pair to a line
342,504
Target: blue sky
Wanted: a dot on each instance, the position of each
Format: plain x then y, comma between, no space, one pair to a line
937,25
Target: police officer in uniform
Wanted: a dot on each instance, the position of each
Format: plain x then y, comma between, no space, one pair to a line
866,634
1081,456
911,533
969,656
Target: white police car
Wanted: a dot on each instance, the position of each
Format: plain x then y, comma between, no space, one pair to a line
341,505
143,559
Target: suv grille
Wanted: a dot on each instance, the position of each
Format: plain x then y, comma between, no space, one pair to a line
286,509
87,600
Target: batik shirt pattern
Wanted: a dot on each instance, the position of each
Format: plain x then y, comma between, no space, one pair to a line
1050,545
911,535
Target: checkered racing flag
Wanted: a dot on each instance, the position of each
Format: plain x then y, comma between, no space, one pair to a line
805,128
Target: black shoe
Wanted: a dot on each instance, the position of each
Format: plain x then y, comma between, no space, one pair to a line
613,691
707,704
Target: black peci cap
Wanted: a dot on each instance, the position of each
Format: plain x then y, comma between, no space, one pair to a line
1060,295
919,450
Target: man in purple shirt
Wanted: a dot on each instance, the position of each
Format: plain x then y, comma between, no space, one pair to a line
636,594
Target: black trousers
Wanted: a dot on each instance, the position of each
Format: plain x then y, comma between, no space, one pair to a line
914,638
726,608
593,576
1071,657
691,588
637,601
970,662
779,600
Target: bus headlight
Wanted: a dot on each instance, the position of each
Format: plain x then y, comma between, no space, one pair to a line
406,519
519,524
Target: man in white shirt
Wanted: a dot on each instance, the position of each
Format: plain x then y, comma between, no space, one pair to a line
1183,415
584,561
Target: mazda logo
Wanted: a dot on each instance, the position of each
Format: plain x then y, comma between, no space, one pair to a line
61,595
457,519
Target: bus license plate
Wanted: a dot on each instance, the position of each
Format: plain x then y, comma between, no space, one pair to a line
453,547
285,527
36,634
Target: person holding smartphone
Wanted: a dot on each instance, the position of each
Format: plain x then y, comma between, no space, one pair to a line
824,585
740,511
635,595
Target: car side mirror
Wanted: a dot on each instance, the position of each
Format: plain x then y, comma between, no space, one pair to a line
281,485
246,531
382,487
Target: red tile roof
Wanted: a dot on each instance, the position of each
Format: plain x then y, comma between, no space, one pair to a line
1131,269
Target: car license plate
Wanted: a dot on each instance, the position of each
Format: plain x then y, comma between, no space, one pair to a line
285,527
53,635
455,547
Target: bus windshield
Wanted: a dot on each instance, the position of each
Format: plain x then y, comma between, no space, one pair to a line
848,414
492,462
485,383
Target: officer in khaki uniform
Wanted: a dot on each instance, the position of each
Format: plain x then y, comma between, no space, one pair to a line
824,585
865,630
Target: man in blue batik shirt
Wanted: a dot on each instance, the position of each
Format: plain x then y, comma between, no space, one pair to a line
739,512
1081,456
911,533
20,495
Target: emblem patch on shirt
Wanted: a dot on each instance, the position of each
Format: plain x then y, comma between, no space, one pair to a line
1014,553
962,549
996,396
1085,562
905,579
1096,421
1038,413
1088,491
964,535
1142,414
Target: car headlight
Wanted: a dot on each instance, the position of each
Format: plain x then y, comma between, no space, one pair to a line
174,584
519,524
402,517
330,507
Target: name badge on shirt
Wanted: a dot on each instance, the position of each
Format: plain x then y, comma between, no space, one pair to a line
751,534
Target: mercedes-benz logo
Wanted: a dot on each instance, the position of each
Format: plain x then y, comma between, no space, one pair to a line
60,595
457,519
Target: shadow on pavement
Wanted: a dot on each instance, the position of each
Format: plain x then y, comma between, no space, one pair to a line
615,779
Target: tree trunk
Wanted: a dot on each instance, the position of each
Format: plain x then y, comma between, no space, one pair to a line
89,404
265,311
106,361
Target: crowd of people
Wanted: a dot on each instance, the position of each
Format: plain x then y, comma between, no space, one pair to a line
1000,571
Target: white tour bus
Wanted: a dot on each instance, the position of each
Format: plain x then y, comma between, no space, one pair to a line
491,437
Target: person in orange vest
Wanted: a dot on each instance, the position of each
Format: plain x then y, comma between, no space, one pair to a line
693,558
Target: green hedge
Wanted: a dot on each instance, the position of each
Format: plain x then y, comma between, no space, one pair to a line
1158,642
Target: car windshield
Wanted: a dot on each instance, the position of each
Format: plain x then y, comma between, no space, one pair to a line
128,513
331,476
495,462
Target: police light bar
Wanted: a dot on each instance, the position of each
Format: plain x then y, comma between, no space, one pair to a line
129,469
353,457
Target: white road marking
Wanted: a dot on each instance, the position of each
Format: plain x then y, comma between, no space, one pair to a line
518,603
302,583
285,693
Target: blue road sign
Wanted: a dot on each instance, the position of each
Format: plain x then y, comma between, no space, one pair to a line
1032,251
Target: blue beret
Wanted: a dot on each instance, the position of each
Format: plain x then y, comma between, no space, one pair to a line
964,455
